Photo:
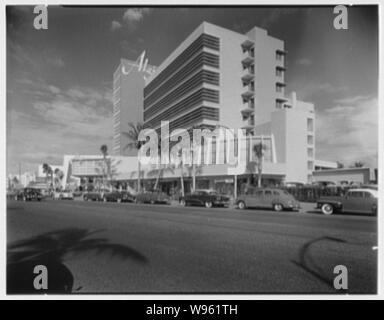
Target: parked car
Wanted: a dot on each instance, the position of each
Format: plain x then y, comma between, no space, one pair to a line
64,194
152,197
275,199
354,201
118,196
205,197
28,194
92,196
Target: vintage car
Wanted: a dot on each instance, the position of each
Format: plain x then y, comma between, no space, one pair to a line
354,201
205,197
64,194
152,197
28,194
92,196
118,196
275,199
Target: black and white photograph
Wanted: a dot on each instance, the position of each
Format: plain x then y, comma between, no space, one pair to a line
198,149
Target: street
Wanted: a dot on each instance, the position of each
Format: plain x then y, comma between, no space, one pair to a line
95,247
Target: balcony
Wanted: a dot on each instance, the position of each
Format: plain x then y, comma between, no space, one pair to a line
249,92
247,44
248,108
248,58
249,124
248,74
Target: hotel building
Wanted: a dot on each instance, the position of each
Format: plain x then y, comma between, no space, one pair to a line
128,86
218,78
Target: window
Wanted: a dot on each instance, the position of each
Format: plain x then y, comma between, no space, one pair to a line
279,72
310,125
276,193
279,55
268,193
279,104
310,165
367,195
356,194
258,193
310,152
310,140
279,87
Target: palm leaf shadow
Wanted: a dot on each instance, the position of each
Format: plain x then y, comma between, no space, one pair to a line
52,249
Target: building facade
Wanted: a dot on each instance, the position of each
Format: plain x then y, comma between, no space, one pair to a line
128,86
218,77
215,78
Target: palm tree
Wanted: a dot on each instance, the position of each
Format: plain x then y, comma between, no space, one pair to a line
193,150
104,152
47,169
258,151
182,175
358,164
135,144
15,182
58,176
340,165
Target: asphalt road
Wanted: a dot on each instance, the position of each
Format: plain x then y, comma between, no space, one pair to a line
91,247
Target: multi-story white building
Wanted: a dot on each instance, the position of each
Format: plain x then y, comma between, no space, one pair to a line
216,78
128,86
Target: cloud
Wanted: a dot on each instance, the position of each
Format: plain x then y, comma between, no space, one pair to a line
304,62
115,25
72,121
348,131
310,90
56,62
134,15
54,89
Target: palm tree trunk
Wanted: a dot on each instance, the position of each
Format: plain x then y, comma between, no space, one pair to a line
259,177
193,177
182,181
157,179
138,176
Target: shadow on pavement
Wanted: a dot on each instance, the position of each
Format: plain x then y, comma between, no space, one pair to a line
50,250
307,263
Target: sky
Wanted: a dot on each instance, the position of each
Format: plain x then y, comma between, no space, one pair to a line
59,80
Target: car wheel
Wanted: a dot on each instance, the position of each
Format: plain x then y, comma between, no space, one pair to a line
327,209
241,205
85,198
183,203
24,198
104,199
118,200
152,202
278,207
16,198
208,204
